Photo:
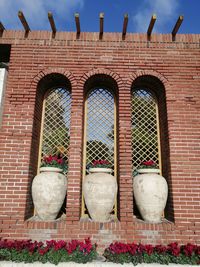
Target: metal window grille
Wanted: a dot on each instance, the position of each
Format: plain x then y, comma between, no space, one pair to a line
56,123
100,126
145,135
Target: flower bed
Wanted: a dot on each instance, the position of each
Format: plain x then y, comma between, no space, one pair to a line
133,253
59,252
53,251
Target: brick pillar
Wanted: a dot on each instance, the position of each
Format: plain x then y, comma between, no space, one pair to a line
75,156
125,155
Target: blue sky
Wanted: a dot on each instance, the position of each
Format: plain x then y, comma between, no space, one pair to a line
139,12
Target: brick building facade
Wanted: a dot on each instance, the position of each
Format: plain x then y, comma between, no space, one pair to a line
37,62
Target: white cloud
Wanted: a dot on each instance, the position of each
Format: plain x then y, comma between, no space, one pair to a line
164,9
35,12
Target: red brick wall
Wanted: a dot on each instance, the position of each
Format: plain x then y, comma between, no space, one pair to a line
175,64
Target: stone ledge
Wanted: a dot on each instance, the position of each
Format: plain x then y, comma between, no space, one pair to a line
90,264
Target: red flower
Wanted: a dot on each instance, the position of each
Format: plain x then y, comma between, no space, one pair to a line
101,164
71,246
60,161
148,163
85,247
43,251
53,161
118,248
149,249
174,249
132,248
189,249
198,251
50,243
160,249
141,248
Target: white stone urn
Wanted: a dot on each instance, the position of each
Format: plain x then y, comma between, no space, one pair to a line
100,190
48,192
150,192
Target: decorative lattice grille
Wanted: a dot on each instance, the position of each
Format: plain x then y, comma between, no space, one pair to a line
144,128
100,126
56,134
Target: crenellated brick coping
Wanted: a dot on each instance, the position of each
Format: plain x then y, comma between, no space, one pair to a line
90,264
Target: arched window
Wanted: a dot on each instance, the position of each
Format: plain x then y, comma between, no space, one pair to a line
51,127
145,128
100,126
55,133
150,139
